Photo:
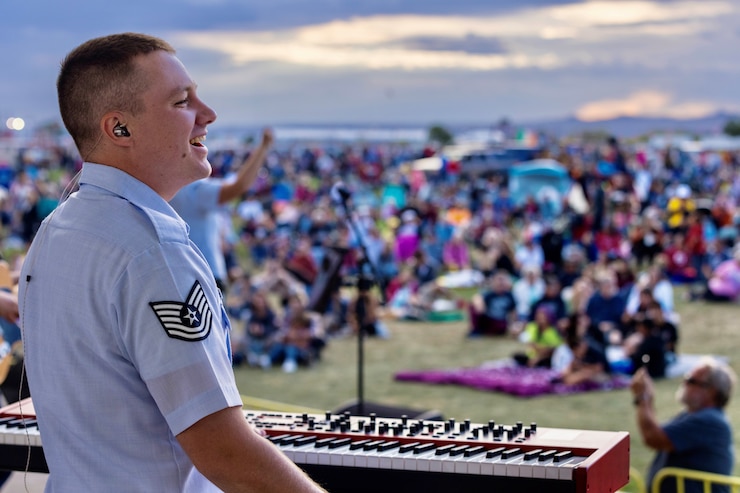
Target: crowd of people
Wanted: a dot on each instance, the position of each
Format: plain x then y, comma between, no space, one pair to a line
609,267
635,223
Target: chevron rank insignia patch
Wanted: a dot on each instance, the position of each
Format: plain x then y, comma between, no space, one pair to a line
189,321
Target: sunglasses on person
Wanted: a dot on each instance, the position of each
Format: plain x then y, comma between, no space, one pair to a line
695,382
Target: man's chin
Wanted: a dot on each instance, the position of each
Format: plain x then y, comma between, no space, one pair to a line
206,170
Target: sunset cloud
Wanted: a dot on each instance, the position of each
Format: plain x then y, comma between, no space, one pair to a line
528,38
645,104
412,61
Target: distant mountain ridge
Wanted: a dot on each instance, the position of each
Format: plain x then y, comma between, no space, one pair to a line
630,127
623,128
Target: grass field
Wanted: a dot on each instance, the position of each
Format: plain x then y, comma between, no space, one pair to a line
704,329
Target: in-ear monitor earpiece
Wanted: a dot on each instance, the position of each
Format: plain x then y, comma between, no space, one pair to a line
120,130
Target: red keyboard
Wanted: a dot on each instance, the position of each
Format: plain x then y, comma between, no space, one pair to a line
363,454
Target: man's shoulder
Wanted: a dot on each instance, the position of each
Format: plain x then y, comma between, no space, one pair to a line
197,195
706,417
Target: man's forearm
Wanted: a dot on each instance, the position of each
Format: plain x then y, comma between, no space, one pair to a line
652,433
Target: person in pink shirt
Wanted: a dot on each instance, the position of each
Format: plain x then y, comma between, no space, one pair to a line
724,283
455,252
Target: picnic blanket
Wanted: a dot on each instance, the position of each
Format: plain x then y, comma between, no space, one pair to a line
510,379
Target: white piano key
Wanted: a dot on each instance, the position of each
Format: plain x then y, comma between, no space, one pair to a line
373,460
399,460
539,470
422,462
367,458
388,457
455,456
529,459
405,454
350,456
488,464
500,468
337,455
353,454
448,466
513,465
299,454
436,461
20,438
326,450
312,455
467,465
552,472
565,471
323,457
472,463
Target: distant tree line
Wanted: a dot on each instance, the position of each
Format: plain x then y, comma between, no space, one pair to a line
440,135
732,128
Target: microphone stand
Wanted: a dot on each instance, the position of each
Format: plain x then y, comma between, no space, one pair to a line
377,280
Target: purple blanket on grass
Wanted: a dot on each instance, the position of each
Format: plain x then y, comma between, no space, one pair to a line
515,380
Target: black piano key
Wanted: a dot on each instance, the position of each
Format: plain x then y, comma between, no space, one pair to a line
372,445
424,447
561,456
408,447
339,442
388,446
324,442
359,444
495,452
473,451
21,423
512,452
444,449
304,440
284,439
459,450
546,455
532,454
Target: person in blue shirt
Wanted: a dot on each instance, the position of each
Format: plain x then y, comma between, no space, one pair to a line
492,310
201,204
127,343
700,437
605,308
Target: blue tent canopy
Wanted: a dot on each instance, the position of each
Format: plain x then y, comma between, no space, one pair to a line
546,180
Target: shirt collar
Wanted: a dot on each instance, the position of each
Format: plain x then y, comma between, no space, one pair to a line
138,193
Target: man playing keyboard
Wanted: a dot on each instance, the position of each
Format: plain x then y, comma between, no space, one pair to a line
127,343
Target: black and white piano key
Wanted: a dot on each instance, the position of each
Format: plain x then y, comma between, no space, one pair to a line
20,432
427,457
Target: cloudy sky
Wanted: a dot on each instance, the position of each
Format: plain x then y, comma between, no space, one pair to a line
273,62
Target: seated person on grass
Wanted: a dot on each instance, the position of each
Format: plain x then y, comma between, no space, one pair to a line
541,337
646,347
294,345
494,308
587,361
261,326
